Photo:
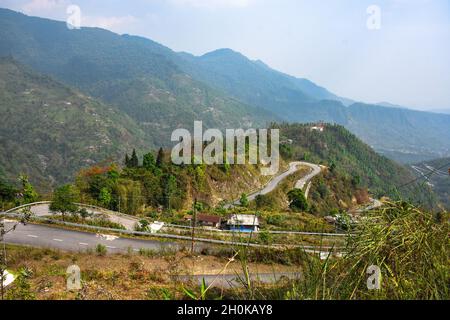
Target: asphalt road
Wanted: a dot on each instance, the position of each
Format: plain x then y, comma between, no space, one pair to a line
273,184
43,210
68,240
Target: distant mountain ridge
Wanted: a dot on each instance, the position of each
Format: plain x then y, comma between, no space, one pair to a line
163,90
136,75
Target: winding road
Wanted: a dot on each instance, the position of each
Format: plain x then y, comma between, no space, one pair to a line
54,237
42,209
273,184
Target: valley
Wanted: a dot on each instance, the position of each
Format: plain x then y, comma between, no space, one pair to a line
283,190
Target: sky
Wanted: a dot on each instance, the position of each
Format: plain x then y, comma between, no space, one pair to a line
395,51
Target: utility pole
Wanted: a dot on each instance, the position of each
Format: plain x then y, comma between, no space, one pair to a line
194,222
2,258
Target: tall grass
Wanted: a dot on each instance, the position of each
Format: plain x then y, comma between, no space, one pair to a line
410,247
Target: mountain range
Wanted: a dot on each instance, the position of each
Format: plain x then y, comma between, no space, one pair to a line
152,90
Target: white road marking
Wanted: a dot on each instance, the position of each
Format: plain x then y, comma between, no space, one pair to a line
58,240
109,247
32,236
83,244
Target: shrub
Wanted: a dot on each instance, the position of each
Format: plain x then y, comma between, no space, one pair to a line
100,249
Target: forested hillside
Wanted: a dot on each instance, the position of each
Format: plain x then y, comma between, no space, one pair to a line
343,153
400,133
150,181
136,75
50,131
163,90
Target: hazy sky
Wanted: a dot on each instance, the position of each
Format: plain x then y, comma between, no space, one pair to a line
406,62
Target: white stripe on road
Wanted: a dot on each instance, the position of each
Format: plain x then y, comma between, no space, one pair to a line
83,244
58,240
109,247
32,236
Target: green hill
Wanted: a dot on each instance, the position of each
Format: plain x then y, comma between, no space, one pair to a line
399,133
162,90
353,160
49,131
137,75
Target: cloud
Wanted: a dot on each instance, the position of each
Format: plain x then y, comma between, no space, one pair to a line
213,4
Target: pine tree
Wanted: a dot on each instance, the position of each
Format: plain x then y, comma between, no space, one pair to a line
127,160
134,162
160,158
149,162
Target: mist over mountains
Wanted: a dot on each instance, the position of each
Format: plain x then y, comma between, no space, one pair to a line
153,90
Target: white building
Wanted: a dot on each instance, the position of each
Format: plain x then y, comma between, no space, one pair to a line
243,223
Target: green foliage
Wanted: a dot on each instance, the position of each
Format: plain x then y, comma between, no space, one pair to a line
64,199
149,162
65,130
265,237
244,200
83,213
21,288
297,200
28,192
105,197
7,192
134,161
350,159
101,250
275,219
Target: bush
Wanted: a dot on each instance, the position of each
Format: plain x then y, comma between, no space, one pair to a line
297,200
100,249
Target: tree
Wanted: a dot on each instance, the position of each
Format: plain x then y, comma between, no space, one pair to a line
127,160
64,199
83,213
29,194
134,161
297,200
171,187
7,192
160,158
244,200
149,162
105,197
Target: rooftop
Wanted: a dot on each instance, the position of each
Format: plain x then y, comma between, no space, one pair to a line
243,219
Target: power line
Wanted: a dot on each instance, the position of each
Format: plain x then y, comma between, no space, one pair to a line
423,176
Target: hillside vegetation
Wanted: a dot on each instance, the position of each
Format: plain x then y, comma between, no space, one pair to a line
137,76
162,90
355,164
50,131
